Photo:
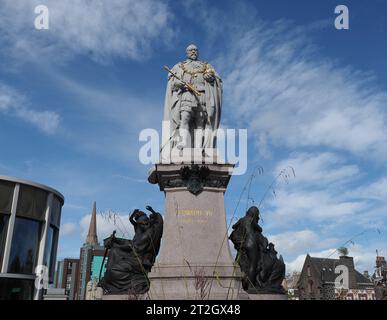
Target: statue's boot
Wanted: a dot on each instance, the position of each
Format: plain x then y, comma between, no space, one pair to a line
183,143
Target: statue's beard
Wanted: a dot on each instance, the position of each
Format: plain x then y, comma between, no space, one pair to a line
193,57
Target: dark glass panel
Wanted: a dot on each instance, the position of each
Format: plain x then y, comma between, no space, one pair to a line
32,203
50,251
16,289
48,248
25,246
6,196
3,234
55,211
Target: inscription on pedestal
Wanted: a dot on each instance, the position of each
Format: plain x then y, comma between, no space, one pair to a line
194,216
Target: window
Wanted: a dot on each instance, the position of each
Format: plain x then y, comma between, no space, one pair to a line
32,203
55,211
49,252
6,196
25,246
308,271
16,289
310,286
3,234
349,296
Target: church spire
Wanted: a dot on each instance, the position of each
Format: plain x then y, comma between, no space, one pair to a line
92,238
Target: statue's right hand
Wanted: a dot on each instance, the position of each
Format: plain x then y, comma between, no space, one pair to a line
177,84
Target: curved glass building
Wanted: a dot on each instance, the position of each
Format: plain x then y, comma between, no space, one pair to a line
29,228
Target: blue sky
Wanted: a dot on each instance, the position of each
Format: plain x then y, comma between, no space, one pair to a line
74,98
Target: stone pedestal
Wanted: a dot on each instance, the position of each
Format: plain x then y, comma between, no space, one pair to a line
267,296
125,297
195,261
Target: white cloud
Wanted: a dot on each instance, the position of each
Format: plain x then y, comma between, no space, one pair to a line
318,192
376,190
319,168
107,222
312,205
290,96
13,103
294,242
68,229
101,29
296,264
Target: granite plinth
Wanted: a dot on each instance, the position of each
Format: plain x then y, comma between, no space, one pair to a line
267,296
195,260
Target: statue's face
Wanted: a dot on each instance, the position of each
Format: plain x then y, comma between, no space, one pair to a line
253,212
143,224
192,53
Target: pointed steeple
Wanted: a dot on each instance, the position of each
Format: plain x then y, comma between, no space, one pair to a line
92,238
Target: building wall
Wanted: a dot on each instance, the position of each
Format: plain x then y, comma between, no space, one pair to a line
357,294
29,228
68,274
329,292
309,288
96,267
84,269
88,255
59,275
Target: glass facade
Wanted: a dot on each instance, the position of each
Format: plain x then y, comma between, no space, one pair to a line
6,196
25,246
96,267
56,208
3,234
49,251
58,283
32,203
20,251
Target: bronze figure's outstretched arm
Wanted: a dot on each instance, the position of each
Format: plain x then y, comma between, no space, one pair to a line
133,216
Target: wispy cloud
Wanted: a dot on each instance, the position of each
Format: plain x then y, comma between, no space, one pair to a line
319,168
376,190
15,104
107,222
289,96
317,191
295,242
99,29
68,229
322,206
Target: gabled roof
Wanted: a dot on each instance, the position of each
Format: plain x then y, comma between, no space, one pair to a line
360,278
325,271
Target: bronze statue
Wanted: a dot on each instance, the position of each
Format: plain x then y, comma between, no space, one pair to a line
263,271
129,261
